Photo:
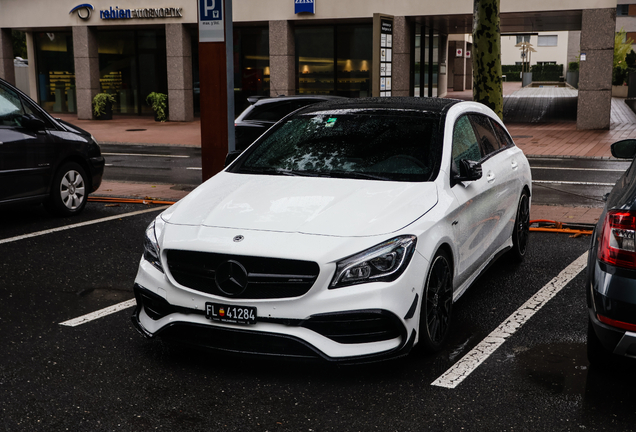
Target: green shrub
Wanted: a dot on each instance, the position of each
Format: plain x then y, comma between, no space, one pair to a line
573,66
547,72
512,72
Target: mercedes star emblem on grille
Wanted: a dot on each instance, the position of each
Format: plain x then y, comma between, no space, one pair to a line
231,278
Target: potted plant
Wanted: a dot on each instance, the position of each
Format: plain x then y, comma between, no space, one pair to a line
103,106
159,104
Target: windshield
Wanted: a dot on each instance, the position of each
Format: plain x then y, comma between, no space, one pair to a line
395,145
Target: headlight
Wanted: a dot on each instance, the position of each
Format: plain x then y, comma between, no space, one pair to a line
152,251
384,262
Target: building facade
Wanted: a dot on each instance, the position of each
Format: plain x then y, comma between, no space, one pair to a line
135,47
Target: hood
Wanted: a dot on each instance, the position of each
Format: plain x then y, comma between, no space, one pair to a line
308,205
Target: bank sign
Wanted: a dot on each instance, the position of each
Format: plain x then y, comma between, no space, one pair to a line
305,6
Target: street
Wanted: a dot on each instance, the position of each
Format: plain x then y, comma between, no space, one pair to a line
560,181
102,375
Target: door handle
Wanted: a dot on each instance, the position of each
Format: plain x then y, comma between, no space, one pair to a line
515,165
490,177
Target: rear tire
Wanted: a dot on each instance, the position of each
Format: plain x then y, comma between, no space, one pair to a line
437,304
521,229
69,190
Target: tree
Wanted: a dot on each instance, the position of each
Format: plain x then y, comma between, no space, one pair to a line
622,46
487,86
19,43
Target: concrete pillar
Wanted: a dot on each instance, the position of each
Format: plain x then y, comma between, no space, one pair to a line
469,67
595,78
401,57
179,53
33,67
6,56
86,69
282,59
442,78
459,72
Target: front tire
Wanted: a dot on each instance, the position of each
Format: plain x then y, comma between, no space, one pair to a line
521,229
69,191
437,304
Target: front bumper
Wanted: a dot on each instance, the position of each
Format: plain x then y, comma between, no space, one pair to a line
359,323
184,329
96,168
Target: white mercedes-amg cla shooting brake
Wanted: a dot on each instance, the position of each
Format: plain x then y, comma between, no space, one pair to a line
345,233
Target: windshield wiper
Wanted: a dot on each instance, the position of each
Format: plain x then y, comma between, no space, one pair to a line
358,175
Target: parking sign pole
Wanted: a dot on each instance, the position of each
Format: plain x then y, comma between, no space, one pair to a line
216,73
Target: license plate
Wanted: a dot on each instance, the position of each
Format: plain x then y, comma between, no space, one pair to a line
230,314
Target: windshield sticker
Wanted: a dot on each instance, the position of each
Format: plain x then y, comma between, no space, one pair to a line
331,122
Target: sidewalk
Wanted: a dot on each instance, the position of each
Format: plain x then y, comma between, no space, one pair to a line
560,139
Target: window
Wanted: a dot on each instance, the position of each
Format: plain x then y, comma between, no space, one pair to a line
465,144
622,10
546,63
334,60
485,134
504,137
523,38
10,108
548,40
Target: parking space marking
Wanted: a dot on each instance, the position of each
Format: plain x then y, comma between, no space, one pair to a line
81,224
576,169
99,314
463,368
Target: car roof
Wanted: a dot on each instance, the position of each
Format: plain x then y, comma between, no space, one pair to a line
258,100
439,105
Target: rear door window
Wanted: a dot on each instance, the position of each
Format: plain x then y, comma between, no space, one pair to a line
485,134
504,138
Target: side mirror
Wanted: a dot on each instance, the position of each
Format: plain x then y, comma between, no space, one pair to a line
31,122
231,156
624,149
468,171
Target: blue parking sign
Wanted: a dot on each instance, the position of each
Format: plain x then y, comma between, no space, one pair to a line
210,10
211,28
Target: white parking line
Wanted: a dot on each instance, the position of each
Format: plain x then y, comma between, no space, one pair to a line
576,169
81,224
145,155
194,168
99,314
460,370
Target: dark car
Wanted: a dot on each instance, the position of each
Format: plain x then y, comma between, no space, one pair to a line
611,270
42,159
264,112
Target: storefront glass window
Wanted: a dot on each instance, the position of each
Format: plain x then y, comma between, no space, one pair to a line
315,59
354,51
56,71
132,64
251,66
334,60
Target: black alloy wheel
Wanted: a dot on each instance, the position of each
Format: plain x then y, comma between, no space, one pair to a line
437,304
521,230
69,190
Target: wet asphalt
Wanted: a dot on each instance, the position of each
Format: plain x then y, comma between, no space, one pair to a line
104,376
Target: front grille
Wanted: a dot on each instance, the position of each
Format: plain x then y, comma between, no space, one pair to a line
266,277
356,327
